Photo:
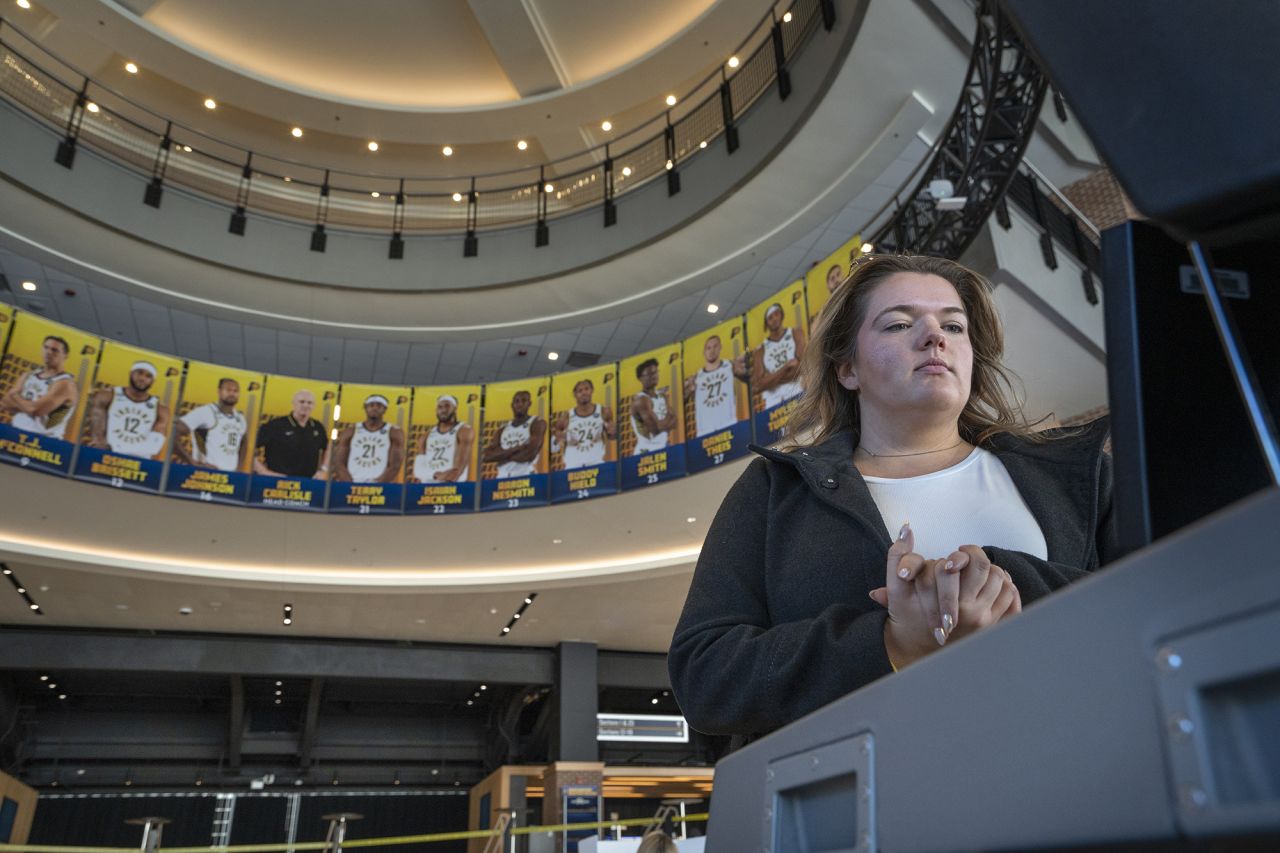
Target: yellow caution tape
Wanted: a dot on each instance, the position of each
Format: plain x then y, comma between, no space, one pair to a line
353,842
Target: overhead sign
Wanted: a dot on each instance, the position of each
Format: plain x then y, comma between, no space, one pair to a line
650,728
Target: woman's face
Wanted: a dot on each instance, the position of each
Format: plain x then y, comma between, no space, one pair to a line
913,354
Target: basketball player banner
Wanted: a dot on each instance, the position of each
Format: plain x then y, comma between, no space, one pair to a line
43,380
584,458
651,439
715,396
367,463
129,415
777,337
443,460
828,274
291,455
514,444
213,434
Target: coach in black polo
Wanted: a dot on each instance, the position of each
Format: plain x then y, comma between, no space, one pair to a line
295,445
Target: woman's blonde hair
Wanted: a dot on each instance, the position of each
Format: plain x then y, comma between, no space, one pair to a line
657,842
827,407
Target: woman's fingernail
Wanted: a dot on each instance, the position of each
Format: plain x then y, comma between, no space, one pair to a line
904,573
951,564
948,624
940,636
902,533
872,596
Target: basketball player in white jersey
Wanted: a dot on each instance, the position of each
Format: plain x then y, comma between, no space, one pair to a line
652,418
444,453
515,447
715,404
216,431
775,364
371,451
130,419
43,402
581,431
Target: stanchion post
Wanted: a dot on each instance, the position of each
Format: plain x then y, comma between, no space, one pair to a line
337,829
152,830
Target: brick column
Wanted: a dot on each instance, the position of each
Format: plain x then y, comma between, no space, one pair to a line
562,774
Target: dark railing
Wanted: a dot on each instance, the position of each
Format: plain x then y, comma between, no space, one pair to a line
169,154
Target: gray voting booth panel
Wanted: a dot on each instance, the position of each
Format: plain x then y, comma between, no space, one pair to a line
1139,704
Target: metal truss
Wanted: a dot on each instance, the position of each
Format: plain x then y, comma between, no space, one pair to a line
980,149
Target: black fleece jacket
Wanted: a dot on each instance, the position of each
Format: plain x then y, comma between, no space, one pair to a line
778,622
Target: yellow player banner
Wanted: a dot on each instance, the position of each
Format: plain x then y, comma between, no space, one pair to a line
651,417
125,435
212,449
294,441
584,432
716,402
367,462
44,381
444,453
514,443
777,334
829,273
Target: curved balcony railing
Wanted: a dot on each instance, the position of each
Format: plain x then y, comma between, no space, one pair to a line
170,154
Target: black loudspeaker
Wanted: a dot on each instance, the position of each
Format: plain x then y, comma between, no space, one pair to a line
1183,446
1174,94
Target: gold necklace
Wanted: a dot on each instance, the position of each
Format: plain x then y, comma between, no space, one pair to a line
900,455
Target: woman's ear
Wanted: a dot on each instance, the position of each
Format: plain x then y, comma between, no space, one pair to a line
847,376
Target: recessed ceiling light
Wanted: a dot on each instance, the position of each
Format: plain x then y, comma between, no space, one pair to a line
606,125
786,19
373,146
626,170
671,100
549,187
91,107
528,599
691,519
867,248
21,590
279,684
24,4
702,144
447,151
654,700
712,308
37,607
287,621
484,687
64,696
493,611
506,630
27,285
670,165
279,701
733,62
210,104
287,179
522,145
44,678
131,67
553,355
375,194
186,148
297,133
553,542
457,196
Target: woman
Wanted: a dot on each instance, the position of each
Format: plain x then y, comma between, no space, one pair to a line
657,842
801,593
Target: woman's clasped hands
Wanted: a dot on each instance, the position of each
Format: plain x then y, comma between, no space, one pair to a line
931,601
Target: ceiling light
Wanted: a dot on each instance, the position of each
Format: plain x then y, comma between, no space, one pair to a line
21,590
484,687
549,187
506,630
287,179
691,519
287,621
447,151
671,100
210,104
457,196
279,701
297,133
62,696
626,171
279,684
36,607
131,68
552,356
712,308
702,144
26,285
186,148
522,145
470,702
517,616
375,194
654,700
786,19
53,685
44,678
91,107
553,542
7,570
279,692
867,248
24,4
733,62
373,146
606,125
670,165
528,600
